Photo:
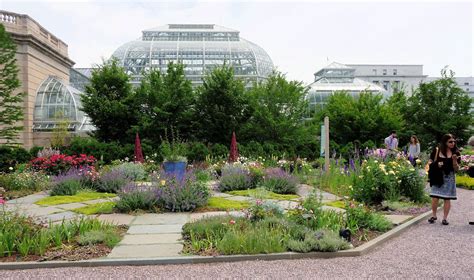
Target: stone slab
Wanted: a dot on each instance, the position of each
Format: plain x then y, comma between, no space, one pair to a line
153,229
70,206
141,239
198,216
118,219
219,194
398,219
332,208
240,198
306,190
162,219
42,211
285,204
146,251
61,216
30,199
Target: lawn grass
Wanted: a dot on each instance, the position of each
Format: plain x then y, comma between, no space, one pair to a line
263,194
79,197
99,208
220,203
336,203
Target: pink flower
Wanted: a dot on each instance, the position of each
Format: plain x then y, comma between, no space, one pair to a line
3,201
232,222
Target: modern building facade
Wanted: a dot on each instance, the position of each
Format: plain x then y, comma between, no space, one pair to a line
200,47
391,76
44,72
337,77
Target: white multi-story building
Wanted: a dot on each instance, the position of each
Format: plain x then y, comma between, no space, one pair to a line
465,83
391,76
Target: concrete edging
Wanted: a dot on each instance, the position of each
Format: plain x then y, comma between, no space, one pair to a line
359,251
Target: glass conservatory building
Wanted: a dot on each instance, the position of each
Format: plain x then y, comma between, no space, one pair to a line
57,102
337,77
200,47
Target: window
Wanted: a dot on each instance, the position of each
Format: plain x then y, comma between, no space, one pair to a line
396,85
384,72
386,85
375,72
466,83
375,82
394,72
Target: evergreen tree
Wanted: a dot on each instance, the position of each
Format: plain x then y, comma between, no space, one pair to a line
11,111
108,101
222,106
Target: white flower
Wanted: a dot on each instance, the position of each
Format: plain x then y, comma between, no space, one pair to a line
10,168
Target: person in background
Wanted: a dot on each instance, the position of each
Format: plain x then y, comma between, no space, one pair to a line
413,150
447,157
391,142
471,143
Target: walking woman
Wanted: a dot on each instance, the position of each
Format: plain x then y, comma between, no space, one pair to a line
413,150
446,158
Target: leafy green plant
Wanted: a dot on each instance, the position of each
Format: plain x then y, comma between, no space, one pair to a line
66,187
131,170
174,150
322,241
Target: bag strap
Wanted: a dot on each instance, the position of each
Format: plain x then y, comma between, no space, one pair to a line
436,154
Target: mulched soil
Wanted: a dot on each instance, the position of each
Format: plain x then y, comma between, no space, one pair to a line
361,237
65,253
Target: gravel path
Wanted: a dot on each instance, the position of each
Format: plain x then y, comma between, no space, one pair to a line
423,252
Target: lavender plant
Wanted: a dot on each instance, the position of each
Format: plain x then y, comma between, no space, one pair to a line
182,195
235,177
279,181
112,181
135,196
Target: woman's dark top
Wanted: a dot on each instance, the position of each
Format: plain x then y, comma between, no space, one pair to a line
447,162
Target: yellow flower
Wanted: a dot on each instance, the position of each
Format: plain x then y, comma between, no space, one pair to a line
162,182
391,172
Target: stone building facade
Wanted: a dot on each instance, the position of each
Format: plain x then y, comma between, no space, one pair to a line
39,55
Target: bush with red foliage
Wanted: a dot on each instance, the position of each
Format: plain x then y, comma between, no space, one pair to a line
57,164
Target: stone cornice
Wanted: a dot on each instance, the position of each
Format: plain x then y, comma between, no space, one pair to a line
32,40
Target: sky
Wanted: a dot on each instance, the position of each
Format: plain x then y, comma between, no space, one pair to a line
301,37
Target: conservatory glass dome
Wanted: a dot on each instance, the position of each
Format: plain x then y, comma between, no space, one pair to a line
57,102
200,47
337,77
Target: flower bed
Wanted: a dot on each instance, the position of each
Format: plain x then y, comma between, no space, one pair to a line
23,240
267,229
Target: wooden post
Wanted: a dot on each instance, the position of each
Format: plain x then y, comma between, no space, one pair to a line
326,144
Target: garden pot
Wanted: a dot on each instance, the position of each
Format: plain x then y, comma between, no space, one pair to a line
175,168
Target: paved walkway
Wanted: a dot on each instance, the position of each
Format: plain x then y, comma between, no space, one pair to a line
423,252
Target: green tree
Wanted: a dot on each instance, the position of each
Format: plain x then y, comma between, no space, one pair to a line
108,101
363,118
60,131
278,110
11,111
440,107
223,106
166,103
